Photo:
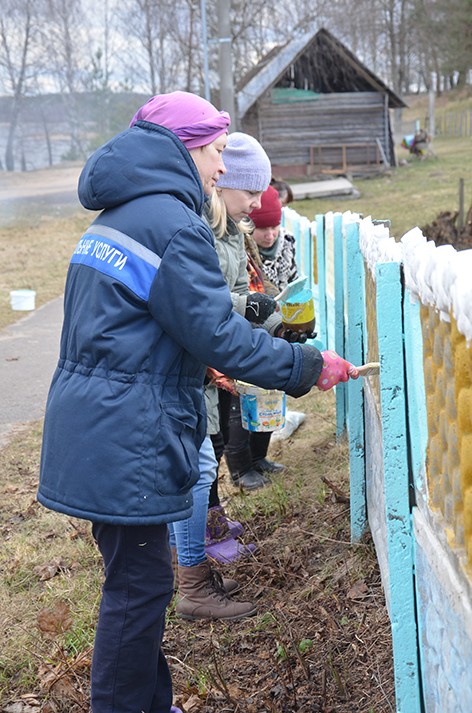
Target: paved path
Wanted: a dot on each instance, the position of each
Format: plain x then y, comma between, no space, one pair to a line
51,191
29,350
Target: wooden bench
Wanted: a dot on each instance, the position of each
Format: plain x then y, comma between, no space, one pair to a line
374,156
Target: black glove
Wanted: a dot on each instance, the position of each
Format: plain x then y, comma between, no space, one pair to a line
290,336
259,307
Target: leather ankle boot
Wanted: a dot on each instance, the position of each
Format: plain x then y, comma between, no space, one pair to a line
202,596
242,473
230,586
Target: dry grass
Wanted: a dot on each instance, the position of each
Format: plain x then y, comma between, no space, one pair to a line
411,195
321,639
44,559
34,254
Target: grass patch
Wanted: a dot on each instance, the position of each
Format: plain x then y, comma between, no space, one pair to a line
451,101
411,195
46,560
296,654
35,254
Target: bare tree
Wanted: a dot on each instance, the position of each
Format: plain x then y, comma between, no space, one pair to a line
457,18
19,55
187,34
149,57
65,34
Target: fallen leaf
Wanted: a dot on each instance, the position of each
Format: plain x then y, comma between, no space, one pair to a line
358,590
193,704
46,571
55,621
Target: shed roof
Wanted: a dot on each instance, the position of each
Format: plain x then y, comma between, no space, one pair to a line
322,60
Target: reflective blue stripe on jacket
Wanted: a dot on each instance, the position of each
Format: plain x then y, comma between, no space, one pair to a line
146,309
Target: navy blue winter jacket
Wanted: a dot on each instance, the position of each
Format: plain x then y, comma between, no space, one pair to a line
146,309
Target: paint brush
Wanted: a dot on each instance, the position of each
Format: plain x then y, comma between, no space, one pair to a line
292,288
370,369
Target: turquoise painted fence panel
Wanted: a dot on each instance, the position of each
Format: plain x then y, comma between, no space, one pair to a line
307,243
400,541
339,345
417,419
377,430
299,251
330,281
322,298
355,294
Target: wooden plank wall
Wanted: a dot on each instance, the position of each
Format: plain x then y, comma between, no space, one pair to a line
288,130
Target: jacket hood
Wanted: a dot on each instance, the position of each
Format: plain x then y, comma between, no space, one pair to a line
145,159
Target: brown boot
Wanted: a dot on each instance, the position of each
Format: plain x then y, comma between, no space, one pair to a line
202,596
231,586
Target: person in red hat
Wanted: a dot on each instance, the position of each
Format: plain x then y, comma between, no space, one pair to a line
276,246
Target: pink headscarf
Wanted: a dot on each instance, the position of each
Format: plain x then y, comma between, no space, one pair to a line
194,120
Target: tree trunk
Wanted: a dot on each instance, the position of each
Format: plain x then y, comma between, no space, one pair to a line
9,153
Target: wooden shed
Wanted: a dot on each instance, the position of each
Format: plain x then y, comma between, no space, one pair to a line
317,109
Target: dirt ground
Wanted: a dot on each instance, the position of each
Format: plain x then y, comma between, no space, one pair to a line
320,642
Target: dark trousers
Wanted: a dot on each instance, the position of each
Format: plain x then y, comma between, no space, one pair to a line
236,438
218,446
129,670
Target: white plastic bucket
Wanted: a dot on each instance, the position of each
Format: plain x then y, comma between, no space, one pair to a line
261,409
22,299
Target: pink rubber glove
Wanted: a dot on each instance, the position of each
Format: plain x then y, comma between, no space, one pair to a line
221,381
335,369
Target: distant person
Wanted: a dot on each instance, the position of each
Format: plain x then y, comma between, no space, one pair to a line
276,245
146,310
284,190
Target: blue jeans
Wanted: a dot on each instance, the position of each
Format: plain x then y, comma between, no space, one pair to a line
188,536
129,669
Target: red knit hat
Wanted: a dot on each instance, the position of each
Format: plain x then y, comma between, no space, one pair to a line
270,213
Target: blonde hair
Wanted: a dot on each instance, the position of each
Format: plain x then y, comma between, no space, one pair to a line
218,217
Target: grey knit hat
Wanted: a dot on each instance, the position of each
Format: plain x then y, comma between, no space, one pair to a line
247,164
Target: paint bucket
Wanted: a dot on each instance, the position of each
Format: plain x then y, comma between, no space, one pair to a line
22,300
261,409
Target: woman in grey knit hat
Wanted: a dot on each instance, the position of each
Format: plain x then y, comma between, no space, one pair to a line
202,594
248,169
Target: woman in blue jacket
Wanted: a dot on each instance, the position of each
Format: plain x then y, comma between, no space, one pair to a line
146,309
